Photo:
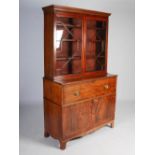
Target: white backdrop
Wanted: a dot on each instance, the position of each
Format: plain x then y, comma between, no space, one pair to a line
121,45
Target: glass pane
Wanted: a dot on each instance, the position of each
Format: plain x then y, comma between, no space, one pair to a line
95,45
68,45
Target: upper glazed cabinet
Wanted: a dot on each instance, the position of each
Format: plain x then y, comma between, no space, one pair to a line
76,43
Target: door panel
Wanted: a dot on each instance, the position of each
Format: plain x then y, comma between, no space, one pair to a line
68,45
76,118
103,109
95,45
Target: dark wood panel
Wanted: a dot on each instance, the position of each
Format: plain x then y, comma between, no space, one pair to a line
76,119
48,45
103,109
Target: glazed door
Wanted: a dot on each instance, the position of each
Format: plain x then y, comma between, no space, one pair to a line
76,118
95,44
68,44
103,109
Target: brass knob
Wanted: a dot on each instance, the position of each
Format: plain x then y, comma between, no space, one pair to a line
95,100
77,93
106,86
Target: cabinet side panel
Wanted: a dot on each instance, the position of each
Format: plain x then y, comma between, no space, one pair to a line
52,91
48,45
52,114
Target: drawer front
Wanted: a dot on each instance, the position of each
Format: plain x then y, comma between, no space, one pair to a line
86,90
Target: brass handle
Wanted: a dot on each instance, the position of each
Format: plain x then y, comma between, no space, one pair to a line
77,93
95,100
106,86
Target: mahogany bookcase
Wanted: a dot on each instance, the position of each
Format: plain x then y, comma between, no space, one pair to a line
79,94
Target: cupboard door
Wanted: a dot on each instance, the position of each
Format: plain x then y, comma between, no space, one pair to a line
68,45
103,109
95,45
76,118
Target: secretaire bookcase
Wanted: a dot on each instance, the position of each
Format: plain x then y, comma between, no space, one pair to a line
79,94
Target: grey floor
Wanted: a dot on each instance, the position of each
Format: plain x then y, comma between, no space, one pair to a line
105,141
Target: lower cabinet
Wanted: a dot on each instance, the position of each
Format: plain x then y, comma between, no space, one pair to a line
74,109
82,116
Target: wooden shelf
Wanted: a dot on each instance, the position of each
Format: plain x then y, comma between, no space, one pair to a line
94,56
95,40
79,57
95,28
67,58
74,40
68,25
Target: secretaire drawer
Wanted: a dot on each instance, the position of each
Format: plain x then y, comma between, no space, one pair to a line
88,89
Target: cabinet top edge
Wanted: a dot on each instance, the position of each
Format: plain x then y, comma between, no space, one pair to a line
71,81
52,8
